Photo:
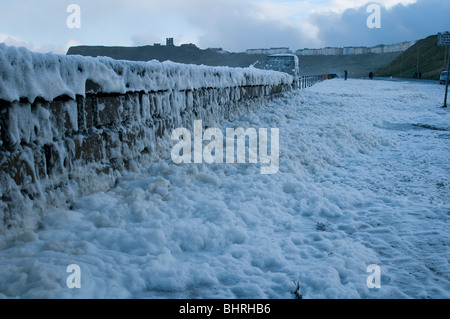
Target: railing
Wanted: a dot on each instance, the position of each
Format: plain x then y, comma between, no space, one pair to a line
309,80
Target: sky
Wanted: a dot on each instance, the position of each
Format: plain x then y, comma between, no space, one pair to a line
234,25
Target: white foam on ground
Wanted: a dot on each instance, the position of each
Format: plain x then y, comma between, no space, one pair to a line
358,184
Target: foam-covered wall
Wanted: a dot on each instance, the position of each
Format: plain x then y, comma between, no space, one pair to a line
72,125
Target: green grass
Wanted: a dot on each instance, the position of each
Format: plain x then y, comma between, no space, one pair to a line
425,56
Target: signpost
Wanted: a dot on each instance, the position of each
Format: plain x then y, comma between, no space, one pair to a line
444,40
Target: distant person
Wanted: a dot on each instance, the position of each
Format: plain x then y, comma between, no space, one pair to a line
371,75
420,75
345,75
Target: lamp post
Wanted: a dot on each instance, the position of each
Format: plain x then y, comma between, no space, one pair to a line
444,40
418,54
401,65
446,82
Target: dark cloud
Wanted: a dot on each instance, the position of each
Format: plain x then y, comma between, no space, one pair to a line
400,23
238,25
234,25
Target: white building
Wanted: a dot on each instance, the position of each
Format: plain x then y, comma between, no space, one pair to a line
269,51
379,49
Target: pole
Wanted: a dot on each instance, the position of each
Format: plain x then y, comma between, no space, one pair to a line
418,54
446,82
445,55
401,65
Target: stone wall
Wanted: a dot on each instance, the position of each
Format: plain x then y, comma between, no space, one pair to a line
72,125
53,151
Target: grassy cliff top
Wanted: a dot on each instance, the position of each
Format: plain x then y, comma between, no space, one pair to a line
425,56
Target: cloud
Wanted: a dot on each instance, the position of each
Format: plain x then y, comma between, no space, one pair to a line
12,40
340,6
234,25
237,25
398,23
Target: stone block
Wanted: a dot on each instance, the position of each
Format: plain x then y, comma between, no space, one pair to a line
17,168
89,148
109,110
63,115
